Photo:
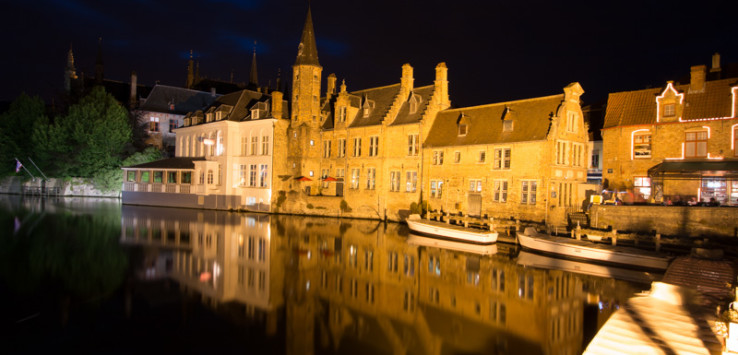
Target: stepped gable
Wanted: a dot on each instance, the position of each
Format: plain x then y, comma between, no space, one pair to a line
404,116
382,99
531,121
639,107
184,100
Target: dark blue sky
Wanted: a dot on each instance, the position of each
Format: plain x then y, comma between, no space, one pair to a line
495,50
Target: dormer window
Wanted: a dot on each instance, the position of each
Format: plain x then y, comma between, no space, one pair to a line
414,102
208,116
462,129
669,110
342,114
255,113
462,124
218,116
507,126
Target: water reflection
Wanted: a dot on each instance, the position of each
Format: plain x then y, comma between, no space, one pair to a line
349,285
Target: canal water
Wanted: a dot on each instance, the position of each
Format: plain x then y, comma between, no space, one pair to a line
92,276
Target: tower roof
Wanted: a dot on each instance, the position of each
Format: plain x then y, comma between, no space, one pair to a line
253,76
307,51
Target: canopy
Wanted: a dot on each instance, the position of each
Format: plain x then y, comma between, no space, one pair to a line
303,178
694,169
329,178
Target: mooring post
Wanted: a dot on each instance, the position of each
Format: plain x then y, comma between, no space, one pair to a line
614,237
658,241
579,231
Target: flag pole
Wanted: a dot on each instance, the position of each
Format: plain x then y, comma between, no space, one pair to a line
24,168
39,170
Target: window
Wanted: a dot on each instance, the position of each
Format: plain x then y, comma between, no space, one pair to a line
241,174
394,181
171,177
355,178
158,177
408,303
327,149
210,177
261,256
457,157
577,154
528,192
154,124
371,175
252,175
565,194
368,260
340,173
265,145
254,145
500,192
595,163
373,146
561,157
507,126
475,185
525,286
669,110
342,114
131,176
641,145
341,147
392,261
263,182
498,280
437,157
244,145
370,293
353,258
357,147
187,177
571,121
502,159
219,148
436,188
695,144
434,265
412,181
172,125
409,265
482,156
642,186
412,145
462,129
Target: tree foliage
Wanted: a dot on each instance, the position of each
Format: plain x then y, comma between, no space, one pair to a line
16,130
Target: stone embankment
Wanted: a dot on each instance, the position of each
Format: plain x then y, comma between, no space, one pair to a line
53,187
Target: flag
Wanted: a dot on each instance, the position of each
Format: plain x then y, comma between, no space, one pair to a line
18,166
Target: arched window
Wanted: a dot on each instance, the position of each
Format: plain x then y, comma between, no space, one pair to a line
219,147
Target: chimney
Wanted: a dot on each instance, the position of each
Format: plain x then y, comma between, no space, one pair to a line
212,91
277,98
406,82
697,78
441,84
331,85
715,66
134,84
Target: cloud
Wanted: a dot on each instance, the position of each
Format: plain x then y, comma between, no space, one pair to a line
332,47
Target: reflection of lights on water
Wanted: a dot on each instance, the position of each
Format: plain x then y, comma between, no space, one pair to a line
307,285
240,240
309,254
600,305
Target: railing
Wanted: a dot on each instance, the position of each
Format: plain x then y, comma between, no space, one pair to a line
168,188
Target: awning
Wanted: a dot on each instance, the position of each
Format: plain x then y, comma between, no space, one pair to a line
694,169
329,178
303,178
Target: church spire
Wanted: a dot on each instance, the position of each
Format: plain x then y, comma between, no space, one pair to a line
307,50
190,72
99,68
70,73
253,75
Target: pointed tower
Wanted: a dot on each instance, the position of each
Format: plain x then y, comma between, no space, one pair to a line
306,77
253,74
99,68
190,72
70,73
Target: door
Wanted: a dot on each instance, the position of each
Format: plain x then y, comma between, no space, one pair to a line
475,204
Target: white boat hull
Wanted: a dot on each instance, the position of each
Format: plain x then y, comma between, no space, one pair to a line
585,268
480,249
450,231
587,250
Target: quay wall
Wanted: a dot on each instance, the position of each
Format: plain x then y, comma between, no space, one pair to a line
687,221
65,187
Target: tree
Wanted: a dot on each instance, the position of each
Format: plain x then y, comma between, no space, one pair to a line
16,128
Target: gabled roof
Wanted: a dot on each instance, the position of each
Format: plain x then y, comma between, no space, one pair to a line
639,107
381,98
404,116
181,163
184,100
532,119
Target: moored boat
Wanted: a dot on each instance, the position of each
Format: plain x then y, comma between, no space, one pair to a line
450,231
581,267
580,249
481,249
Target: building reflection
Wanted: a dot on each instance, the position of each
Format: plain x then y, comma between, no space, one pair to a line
339,285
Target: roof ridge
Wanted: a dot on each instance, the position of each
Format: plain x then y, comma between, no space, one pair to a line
505,102
177,87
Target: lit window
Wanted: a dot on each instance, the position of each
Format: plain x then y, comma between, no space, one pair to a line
502,159
154,124
412,145
500,191
475,185
669,110
436,188
412,181
438,157
373,146
462,129
507,126
528,192
394,181
482,156
642,145
357,147
695,144
642,186
457,157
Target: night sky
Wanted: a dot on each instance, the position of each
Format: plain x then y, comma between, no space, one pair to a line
495,50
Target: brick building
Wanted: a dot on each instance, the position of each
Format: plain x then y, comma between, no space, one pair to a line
676,142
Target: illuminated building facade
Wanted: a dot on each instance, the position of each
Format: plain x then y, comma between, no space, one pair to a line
675,143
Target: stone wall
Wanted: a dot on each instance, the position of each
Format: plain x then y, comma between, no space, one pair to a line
66,187
688,221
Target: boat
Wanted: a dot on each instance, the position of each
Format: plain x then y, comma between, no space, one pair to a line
581,249
607,271
480,249
450,231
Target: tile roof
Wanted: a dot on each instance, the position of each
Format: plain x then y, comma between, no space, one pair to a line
184,100
382,98
404,116
171,163
639,107
531,121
